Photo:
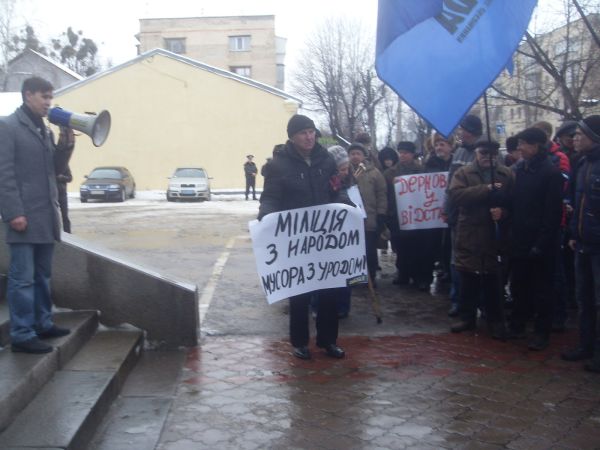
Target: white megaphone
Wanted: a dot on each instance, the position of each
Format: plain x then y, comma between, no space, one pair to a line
95,126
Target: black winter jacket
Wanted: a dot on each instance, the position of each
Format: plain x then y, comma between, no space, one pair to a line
292,183
585,223
536,207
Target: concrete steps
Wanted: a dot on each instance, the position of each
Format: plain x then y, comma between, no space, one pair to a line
56,400
136,419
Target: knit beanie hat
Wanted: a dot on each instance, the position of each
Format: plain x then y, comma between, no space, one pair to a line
406,146
591,127
357,146
472,124
532,136
339,153
297,123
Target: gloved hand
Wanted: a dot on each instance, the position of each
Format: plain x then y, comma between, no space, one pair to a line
535,253
380,224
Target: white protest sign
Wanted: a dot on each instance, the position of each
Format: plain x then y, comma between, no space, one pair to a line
354,196
306,249
419,200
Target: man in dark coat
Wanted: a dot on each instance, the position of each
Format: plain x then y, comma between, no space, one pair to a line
300,176
481,192
29,162
411,262
63,201
536,215
585,241
250,171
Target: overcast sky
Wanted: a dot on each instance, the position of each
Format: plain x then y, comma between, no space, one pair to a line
112,24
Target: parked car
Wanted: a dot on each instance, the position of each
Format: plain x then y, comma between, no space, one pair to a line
189,183
108,184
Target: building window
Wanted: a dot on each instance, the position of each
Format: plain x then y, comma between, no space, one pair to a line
280,76
239,43
175,45
245,71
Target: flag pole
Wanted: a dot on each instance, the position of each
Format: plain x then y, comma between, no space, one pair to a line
487,115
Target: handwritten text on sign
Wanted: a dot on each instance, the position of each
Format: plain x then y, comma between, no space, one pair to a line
419,200
306,249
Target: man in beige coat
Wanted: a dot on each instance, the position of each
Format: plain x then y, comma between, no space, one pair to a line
372,188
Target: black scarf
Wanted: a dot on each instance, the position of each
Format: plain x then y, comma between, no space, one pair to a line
37,120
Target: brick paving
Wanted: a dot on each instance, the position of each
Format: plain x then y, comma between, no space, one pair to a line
424,391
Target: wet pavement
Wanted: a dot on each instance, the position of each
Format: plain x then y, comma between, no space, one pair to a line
421,391
405,383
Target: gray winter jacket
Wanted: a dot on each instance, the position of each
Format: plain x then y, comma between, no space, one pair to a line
29,163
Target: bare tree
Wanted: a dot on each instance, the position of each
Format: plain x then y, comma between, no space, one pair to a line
337,77
7,11
556,71
76,52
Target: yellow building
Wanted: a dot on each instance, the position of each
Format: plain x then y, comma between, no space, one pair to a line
170,111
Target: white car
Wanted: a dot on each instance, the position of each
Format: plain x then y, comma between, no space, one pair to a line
192,183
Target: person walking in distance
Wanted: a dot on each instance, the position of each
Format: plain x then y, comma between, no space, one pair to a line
250,171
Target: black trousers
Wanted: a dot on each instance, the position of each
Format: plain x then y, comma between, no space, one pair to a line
474,287
412,256
250,183
63,203
532,288
327,318
371,249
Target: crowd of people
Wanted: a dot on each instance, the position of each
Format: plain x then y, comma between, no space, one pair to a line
523,228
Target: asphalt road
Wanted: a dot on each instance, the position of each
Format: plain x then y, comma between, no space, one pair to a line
208,244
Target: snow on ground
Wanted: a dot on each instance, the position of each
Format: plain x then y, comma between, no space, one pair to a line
222,202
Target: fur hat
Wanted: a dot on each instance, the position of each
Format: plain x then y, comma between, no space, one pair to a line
532,136
488,147
339,153
406,146
511,144
472,124
387,153
357,146
591,127
297,123
568,127
363,138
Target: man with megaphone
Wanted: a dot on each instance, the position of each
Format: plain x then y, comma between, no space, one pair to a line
29,164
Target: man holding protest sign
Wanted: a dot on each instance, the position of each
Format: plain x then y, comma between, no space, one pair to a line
410,260
481,193
300,177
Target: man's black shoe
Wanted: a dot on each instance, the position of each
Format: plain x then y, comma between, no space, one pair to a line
538,343
516,334
301,352
53,332
498,331
400,281
576,354
593,365
333,350
453,311
33,345
461,326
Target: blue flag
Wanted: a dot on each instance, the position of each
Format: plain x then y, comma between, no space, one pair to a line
440,56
